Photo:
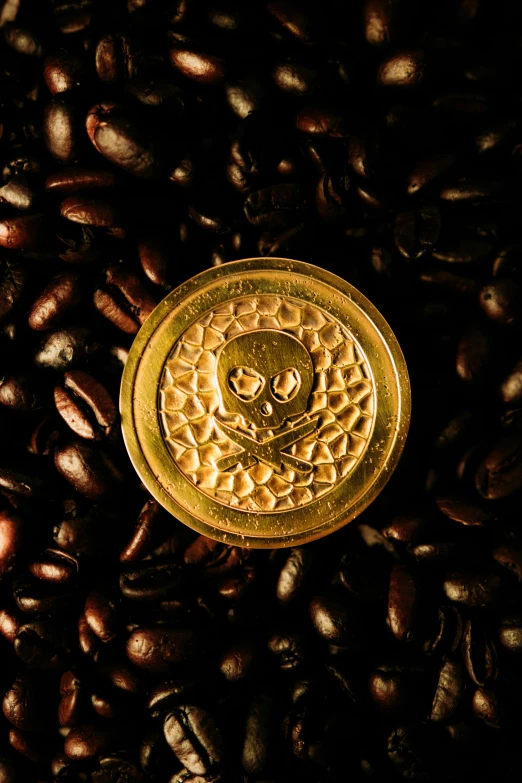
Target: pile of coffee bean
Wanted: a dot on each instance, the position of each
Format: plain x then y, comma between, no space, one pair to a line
142,142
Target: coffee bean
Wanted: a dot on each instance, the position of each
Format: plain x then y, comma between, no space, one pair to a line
402,70
194,737
18,393
123,143
337,621
510,633
296,78
258,745
89,740
64,70
125,300
395,692
156,258
66,348
479,653
476,590
403,602
501,301
12,282
275,206
429,170
72,180
23,232
500,472
28,703
199,66
417,232
62,128
57,299
54,566
381,19
85,405
449,695
322,121
44,645
474,354
90,471
489,707
89,211
22,39
156,648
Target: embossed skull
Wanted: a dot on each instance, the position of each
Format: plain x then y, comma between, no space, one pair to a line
266,376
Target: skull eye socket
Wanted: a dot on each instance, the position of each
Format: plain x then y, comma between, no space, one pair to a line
285,385
245,383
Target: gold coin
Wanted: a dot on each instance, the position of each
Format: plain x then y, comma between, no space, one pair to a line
265,402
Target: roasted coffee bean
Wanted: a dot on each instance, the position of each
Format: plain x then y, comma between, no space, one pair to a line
23,232
90,471
11,539
72,180
259,743
296,78
475,590
66,348
89,211
479,653
125,301
465,509
402,70
381,20
511,388
449,695
194,737
149,525
403,602
276,206
89,740
428,171
395,692
447,632
474,354
85,405
322,121
464,251
417,232
156,258
58,299
501,301
510,633
62,128
158,581
157,648
123,143
28,703
500,472
18,393
44,645
199,66
64,70
490,707
337,620
54,566
12,282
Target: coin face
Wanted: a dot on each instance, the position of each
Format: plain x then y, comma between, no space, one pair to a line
265,402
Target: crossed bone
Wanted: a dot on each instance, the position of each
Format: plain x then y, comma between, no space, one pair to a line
269,450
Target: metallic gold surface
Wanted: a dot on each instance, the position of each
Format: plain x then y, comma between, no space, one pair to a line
265,402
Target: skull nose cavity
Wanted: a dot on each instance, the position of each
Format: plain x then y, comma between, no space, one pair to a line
266,409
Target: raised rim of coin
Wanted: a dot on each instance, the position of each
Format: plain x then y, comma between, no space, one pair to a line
352,491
